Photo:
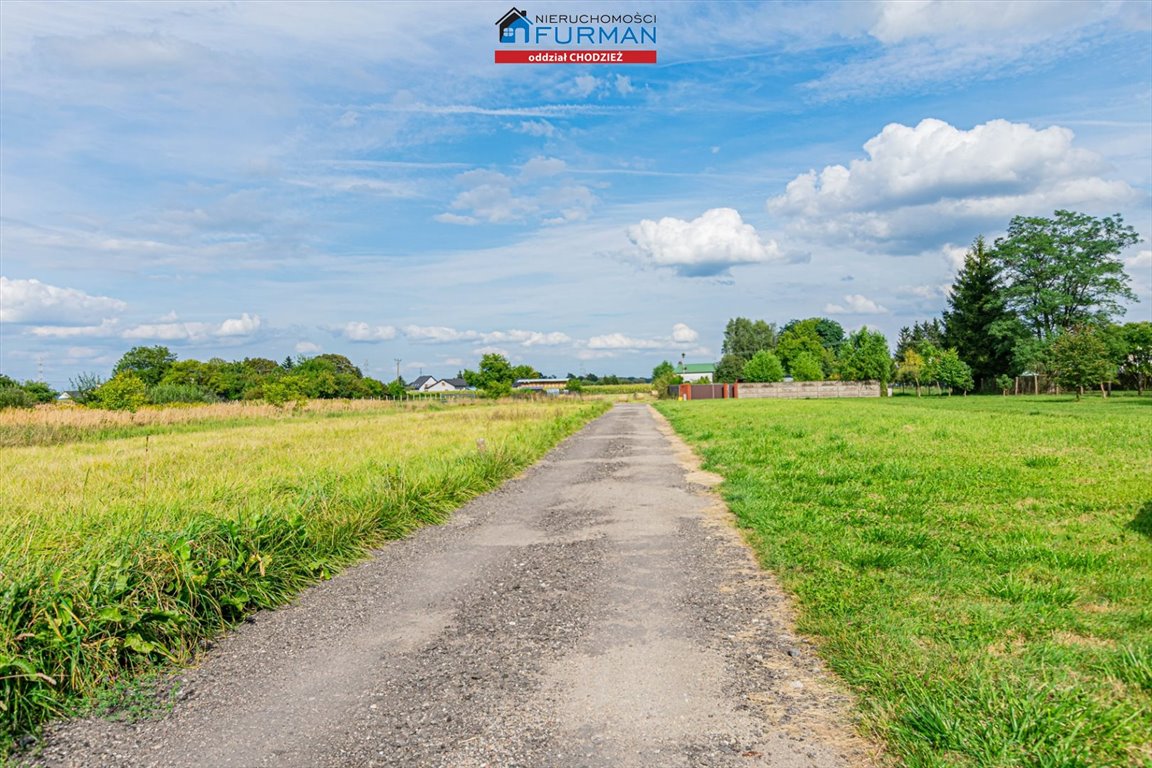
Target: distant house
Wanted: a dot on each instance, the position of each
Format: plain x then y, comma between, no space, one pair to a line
512,22
68,396
692,372
433,384
547,386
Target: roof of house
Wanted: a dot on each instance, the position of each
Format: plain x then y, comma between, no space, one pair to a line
697,368
458,383
421,381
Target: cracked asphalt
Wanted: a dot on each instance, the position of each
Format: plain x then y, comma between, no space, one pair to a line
599,610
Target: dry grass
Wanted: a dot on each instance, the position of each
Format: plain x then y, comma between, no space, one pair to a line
145,533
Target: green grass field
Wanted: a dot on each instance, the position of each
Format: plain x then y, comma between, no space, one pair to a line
978,569
128,539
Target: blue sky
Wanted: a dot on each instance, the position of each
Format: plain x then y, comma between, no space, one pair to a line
272,179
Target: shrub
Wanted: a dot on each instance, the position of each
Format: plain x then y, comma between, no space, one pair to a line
764,366
806,367
162,394
15,397
123,392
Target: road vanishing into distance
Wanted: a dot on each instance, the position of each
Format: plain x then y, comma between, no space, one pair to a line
599,610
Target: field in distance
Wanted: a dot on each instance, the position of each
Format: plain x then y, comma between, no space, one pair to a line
978,569
128,539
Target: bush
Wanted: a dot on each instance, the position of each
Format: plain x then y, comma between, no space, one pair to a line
15,397
764,366
806,367
123,392
162,394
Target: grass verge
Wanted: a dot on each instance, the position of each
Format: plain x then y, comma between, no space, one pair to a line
978,569
120,554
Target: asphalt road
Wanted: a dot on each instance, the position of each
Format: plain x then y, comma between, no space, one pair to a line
599,610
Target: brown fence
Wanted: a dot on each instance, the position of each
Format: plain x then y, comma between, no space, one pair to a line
706,391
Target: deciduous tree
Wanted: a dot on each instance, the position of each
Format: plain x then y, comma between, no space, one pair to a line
764,366
865,357
148,363
1080,358
1063,272
744,338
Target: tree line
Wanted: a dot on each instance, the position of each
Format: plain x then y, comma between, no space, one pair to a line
1042,301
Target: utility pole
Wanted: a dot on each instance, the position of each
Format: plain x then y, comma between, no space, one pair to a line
397,367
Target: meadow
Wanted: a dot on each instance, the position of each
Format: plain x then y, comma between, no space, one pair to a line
978,570
128,540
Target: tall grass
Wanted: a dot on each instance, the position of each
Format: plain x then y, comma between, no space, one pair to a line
979,569
118,554
54,424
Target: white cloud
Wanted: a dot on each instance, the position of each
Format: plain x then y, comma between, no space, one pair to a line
437,334
441,335
585,85
944,42
106,328
921,186
537,128
624,85
900,20
541,167
539,190
709,245
1142,260
923,291
682,334
307,348
856,304
360,331
245,325
31,301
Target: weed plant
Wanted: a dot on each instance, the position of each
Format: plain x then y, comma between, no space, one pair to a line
119,553
979,569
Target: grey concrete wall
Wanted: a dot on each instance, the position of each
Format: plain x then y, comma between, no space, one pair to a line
799,390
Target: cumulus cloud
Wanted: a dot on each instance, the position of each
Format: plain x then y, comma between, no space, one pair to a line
245,325
709,245
856,304
922,186
682,334
360,331
31,301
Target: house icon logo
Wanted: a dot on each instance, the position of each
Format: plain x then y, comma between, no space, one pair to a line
511,23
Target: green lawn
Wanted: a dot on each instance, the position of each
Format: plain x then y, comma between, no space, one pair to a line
979,569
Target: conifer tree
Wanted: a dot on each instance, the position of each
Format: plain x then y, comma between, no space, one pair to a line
977,323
